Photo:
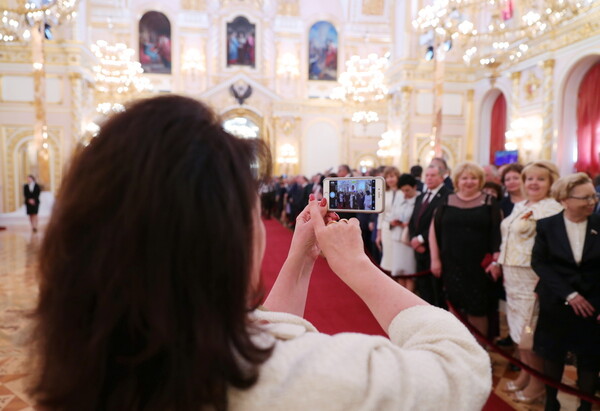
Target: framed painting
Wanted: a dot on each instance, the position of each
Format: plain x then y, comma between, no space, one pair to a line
322,52
155,43
241,43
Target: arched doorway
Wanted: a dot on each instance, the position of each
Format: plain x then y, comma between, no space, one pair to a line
493,121
244,123
588,122
497,127
242,127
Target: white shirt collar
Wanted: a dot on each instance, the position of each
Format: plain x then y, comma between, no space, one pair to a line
435,190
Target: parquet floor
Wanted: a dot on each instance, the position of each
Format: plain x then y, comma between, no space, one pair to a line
18,292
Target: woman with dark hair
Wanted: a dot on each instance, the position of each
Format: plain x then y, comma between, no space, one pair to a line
150,282
511,179
31,192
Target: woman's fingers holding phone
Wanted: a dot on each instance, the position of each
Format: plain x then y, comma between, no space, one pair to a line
341,242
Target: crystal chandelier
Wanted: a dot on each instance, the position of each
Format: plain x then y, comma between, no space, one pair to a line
20,17
287,154
118,78
490,32
388,145
363,83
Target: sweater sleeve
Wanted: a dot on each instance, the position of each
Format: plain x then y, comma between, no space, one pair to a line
430,362
443,366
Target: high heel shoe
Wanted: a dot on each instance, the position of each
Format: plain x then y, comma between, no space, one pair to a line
511,386
534,399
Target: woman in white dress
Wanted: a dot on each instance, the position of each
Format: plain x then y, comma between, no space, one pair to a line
518,237
403,258
384,234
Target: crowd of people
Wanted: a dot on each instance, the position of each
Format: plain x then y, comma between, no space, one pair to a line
150,288
468,239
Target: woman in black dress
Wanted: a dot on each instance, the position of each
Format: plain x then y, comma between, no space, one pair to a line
31,191
566,257
465,241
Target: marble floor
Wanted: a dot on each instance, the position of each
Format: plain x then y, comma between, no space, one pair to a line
18,292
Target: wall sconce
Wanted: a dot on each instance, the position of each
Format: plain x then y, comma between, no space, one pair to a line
524,134
288,66
365,164
388,145
287,157
193,62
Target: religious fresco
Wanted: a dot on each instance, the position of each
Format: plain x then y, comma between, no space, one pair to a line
155,43
241,43
322,51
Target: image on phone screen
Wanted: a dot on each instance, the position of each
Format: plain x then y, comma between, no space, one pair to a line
352,194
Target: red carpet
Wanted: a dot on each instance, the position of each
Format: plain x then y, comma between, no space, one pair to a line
331,306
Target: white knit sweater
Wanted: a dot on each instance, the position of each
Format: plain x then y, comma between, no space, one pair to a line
430,362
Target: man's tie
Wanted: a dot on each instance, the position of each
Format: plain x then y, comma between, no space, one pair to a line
424,206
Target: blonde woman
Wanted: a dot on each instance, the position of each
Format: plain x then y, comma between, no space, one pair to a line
384,233
518,237
464,234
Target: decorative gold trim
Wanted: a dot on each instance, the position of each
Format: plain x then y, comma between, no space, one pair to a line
373,7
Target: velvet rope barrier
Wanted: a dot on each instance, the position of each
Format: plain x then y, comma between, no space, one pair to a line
532,371
480,337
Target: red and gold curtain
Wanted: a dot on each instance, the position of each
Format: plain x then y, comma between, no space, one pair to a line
588,123
498,127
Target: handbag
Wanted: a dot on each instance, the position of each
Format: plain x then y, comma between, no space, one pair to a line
526,342
487,260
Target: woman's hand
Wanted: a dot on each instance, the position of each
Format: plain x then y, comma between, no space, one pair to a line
436,267
494,270
378,240
304,240
340,241
581,306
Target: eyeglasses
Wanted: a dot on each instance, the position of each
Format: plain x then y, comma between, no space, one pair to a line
590,199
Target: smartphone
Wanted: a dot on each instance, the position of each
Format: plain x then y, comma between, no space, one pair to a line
355,194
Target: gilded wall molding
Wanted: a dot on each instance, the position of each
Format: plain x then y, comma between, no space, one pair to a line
548,111
195,5
373,7
288,8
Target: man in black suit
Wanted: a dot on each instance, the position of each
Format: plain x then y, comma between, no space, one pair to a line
428,286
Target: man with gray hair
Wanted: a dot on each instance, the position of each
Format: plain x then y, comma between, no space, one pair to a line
443,165
428,286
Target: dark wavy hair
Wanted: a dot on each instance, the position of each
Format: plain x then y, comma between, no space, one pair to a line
145,266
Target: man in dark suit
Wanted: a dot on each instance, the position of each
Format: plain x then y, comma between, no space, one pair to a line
428,286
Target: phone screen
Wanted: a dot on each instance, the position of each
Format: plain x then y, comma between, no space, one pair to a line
352,194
